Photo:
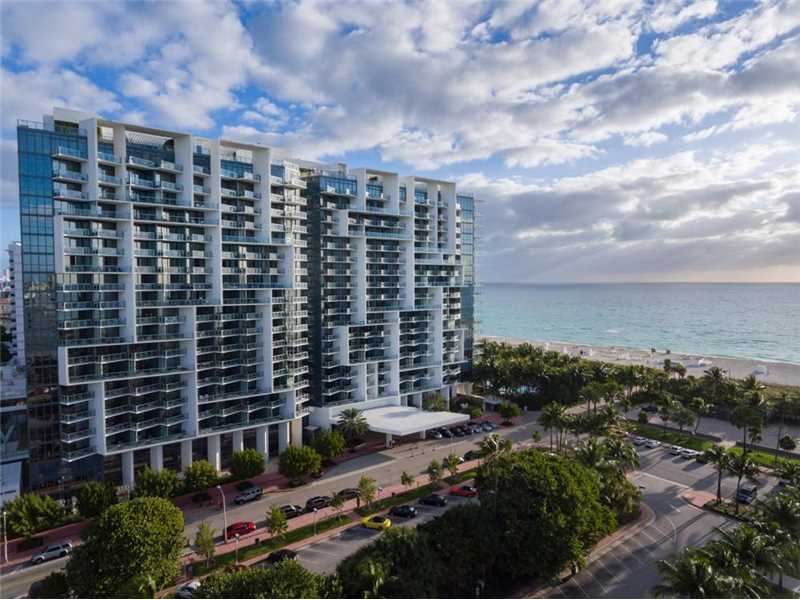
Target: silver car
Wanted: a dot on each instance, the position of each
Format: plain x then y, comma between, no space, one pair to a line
253,493
52,552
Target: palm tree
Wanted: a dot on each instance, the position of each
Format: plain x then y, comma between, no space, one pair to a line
552,418
782,516
591,453
621,453
742,466
691,575
700,408
492,446
788,470
785,404
353,425
755,550
406,480
718,456
715,381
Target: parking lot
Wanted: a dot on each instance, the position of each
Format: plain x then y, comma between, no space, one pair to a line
325,555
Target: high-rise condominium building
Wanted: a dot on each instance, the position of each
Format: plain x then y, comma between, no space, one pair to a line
187,297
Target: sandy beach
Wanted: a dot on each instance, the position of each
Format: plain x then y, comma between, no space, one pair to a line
769,372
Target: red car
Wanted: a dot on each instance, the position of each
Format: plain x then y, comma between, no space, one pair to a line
241,528
467,491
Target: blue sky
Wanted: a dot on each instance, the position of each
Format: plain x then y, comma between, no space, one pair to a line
608,141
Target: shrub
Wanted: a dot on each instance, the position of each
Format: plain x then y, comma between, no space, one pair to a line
30,513
94,497
155,484
297,463
329,444
200,475
247,463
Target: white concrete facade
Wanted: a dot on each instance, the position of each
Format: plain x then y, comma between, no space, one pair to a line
183,313
390,275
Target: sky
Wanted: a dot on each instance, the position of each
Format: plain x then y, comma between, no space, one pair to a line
607,141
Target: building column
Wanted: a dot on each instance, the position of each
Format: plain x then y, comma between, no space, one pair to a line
388,440
127,468
422,434
297,432
186,454
214,455
238,441
283,436
262,441
157,458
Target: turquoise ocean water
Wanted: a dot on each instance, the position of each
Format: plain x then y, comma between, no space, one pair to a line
758,321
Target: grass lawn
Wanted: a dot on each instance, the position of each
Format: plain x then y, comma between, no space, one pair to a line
764,459
268,545
686,440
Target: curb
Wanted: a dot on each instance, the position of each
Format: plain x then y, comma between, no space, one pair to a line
605,546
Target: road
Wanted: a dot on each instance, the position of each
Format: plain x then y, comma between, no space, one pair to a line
663,476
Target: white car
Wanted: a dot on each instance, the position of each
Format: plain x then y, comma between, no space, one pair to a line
676,450
188,590
249,495
652,443
435,434
52,552
689,453
639,441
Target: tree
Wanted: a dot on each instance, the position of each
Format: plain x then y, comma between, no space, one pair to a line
553,419
30,513
337,502
329,444
434,471
434,401
742,466
621,453
406,480
493,445
277,524
643,417
788,470
553,524
53,586
155,484
247,463
755,552
786,404
720,457
787,443
700,408
140,538
367,488
683,417
508,410
204,542
691,575
200,475
94,497
353,425
296,463
287,579
450,463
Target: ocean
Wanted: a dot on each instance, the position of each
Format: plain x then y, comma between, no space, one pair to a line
749,320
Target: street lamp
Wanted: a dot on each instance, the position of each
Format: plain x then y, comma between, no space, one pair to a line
237,549
316,510
5,539
224,514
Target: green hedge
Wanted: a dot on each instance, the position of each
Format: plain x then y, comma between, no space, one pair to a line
763,459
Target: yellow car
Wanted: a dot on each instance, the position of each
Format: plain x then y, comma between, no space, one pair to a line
376,522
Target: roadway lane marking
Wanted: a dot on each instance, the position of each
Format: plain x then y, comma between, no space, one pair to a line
680,485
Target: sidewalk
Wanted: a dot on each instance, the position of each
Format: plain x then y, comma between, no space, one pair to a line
271,481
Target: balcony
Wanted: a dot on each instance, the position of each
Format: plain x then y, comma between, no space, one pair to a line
69,153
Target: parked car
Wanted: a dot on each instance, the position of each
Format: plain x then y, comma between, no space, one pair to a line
747,494
689,453
405,511
254,493
650,409
188,590
52,552
318,502
376,522
701,457
433,500
446,433
489,426
348,493
639,441
652,444
457,432
292,510
465,491
472,455
435,434
279,555
241,528
675,450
